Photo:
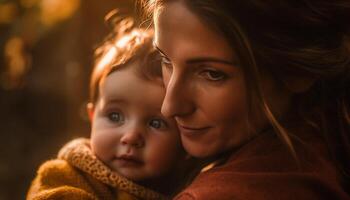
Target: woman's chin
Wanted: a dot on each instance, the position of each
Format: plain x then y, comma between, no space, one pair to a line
197,149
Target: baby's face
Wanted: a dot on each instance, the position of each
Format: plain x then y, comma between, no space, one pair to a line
129,134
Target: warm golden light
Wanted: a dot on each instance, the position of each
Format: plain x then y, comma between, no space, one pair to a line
29,3
107,58
134,37
8,13
55,11
17,64
112,50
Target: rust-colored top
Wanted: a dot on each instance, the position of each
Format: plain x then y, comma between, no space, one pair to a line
263,169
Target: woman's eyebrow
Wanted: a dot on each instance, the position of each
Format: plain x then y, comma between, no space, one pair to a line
158,49
209,59
199,59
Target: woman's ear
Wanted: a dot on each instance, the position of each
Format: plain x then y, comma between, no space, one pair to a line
90,111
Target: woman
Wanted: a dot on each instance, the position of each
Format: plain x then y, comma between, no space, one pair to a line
262,88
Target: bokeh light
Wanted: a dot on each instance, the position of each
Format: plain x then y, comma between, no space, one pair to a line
17,63
29,3
55,11
8,13
46,56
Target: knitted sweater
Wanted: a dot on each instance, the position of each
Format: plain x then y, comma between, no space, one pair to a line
78,175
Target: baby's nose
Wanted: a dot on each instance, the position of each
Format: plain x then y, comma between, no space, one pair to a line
133,137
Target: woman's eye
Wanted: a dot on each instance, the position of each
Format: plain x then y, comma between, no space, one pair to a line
213,75
157,123
115,117
166,62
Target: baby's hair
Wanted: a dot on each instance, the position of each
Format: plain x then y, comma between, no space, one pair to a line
123,46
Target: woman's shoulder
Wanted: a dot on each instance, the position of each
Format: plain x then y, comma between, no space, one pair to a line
265,169
268,154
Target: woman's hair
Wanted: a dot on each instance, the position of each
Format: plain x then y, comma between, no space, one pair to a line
124,45
295,41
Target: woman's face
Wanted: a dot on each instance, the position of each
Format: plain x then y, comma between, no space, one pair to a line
205,89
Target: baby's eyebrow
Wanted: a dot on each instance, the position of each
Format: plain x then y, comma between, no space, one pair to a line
111,101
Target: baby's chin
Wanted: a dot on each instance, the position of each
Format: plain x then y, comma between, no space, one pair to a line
133,172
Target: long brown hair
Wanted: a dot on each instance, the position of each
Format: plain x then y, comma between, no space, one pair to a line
292,40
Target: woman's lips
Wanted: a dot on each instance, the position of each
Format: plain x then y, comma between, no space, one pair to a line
187,130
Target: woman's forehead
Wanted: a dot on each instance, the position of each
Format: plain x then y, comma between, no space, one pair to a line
181,33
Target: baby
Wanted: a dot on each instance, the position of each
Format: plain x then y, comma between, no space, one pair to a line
134,152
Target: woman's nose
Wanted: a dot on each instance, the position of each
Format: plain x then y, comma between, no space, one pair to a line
178,98
133,137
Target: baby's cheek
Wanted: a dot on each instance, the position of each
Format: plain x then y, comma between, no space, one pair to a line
100,145
96,147
163,157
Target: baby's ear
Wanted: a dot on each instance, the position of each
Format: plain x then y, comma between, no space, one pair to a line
90,111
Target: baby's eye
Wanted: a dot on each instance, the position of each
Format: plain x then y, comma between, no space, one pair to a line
213,75
157,123
115,117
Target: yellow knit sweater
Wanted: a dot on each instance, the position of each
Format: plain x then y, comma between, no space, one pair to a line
77,174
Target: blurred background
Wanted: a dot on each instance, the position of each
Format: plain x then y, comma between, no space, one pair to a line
46,56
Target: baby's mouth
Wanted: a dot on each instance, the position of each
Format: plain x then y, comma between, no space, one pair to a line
128,160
